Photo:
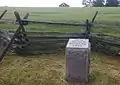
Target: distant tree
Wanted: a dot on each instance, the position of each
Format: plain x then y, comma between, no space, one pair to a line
119,3
98,3
112,3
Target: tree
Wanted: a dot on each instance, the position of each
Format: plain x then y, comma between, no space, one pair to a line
112,3
98,3
95,3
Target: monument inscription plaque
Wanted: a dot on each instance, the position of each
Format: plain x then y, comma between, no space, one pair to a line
77,60
78,43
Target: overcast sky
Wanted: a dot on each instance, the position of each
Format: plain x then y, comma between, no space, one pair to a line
40,3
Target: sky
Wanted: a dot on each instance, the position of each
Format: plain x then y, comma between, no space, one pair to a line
40,3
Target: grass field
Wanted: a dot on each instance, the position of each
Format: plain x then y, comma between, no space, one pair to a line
49,69
66,14
108,16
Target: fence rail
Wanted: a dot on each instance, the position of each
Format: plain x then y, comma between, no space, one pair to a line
47,42
54,41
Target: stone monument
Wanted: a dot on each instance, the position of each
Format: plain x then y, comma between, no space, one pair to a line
77,60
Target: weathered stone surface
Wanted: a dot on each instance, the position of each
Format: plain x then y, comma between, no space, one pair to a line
77,60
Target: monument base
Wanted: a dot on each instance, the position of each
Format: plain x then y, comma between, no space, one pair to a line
78,61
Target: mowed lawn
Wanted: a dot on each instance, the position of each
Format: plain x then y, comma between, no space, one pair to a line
49,69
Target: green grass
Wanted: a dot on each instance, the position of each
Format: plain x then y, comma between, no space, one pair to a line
66,14
109,16
50,70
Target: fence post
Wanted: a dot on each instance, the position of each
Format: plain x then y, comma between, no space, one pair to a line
3,14
21,27
88,29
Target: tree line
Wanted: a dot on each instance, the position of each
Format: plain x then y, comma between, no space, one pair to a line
101,3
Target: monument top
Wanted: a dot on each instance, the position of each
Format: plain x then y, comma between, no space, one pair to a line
78,43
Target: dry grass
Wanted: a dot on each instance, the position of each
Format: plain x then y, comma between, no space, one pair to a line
50,70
